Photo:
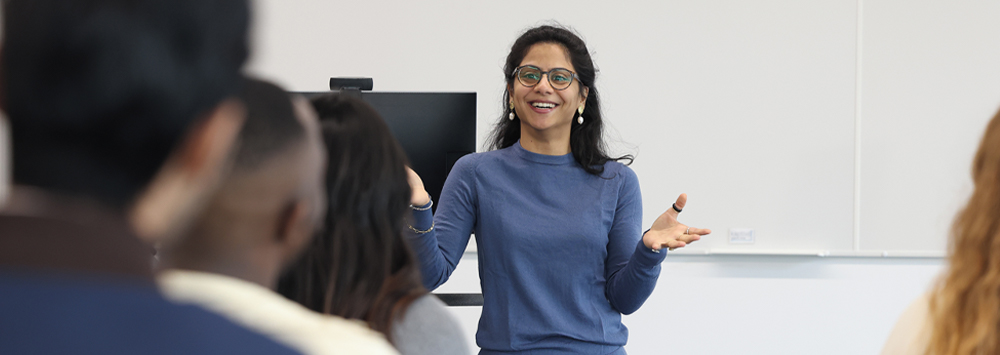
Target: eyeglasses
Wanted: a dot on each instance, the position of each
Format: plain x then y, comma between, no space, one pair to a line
559,78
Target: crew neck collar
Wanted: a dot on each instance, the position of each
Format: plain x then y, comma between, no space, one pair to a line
542,158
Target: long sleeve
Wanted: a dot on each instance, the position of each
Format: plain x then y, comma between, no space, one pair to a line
440,250
559,257
631,269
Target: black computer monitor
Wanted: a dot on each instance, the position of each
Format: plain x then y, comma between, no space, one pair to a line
435,129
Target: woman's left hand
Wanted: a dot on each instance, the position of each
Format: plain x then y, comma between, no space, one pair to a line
668,232
419,196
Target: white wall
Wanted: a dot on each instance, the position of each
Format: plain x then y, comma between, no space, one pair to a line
724,83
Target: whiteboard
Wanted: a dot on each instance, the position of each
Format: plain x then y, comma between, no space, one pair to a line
828,127
930,83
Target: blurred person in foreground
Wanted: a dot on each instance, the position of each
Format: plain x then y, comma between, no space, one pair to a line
360,267
960,315
121,122
263,215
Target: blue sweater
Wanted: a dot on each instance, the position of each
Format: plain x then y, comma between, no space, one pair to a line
560,250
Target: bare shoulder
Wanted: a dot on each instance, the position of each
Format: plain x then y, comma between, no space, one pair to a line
912,330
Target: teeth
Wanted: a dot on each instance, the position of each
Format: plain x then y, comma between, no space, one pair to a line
543,105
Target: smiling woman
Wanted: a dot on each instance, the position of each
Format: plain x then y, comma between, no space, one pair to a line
557,220
546,108
552,48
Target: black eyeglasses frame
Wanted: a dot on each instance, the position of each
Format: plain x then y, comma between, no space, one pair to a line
547,74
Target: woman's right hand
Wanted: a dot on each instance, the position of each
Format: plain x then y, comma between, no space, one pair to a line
419,196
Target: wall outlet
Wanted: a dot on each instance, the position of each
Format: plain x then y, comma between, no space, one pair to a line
741,236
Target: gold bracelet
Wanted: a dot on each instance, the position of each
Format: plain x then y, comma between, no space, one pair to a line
420,231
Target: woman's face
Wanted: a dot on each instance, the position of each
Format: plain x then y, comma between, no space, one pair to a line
542,108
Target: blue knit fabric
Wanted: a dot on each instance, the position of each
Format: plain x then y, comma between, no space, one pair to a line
560,250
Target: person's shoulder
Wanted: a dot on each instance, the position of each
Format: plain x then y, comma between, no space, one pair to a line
349,336
616,170
217,331
428,327
103,318
427,306
465,167
912,330
473,162
622,177
616,166
261,309
486,157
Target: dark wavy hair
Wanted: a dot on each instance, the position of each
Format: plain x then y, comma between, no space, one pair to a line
359,266
586,140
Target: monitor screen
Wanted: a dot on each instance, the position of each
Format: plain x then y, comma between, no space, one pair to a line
435,129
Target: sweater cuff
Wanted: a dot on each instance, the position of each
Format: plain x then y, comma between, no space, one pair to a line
423,218
646,257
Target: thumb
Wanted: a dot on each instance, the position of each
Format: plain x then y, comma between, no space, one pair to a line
681,201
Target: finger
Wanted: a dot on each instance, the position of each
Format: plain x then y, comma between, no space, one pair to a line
700,231
418,194
670,243
681,201
689,238
679,204
676,244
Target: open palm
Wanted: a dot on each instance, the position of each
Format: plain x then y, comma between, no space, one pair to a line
670,233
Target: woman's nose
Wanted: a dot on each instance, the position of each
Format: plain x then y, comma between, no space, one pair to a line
543,85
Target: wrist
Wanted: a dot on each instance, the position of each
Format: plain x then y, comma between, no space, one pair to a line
421,219
423,207
646,257
647,238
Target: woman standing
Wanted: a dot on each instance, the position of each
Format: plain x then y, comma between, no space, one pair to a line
557,221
